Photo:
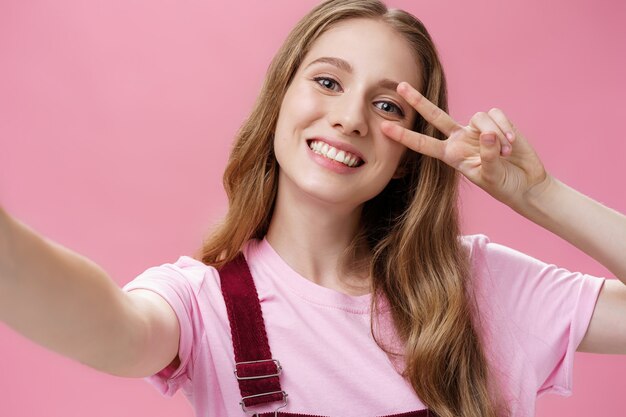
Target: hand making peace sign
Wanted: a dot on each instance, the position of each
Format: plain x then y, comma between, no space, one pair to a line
490,152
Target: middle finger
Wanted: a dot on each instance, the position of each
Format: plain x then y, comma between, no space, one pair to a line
431,113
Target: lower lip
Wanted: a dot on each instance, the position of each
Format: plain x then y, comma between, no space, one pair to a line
331,164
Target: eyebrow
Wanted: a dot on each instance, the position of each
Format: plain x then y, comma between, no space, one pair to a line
344,65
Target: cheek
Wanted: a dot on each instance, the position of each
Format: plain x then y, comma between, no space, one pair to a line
301,105
399,152
393,152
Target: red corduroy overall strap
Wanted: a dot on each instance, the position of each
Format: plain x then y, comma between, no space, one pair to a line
257,372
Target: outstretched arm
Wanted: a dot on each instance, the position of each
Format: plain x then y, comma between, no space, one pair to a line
66,303
492,154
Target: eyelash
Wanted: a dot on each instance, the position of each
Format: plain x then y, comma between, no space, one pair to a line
398,110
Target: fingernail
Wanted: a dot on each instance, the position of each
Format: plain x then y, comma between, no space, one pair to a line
506,149
489,139
509,135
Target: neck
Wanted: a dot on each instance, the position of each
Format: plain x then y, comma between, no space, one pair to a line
312,237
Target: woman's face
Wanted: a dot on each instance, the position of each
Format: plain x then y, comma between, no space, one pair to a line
328,141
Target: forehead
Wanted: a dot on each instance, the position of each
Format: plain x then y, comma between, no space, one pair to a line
372,47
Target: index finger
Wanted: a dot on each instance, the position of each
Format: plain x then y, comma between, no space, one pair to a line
431,113
419,142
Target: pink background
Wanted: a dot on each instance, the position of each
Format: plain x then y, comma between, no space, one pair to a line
116,120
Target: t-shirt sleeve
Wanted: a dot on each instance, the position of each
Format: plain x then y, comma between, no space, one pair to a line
546,308
179,285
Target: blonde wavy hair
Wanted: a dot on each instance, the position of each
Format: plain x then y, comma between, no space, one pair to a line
411,228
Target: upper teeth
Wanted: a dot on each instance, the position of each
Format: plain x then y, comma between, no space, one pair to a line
330,152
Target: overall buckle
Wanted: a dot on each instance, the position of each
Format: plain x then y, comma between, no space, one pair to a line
278,371
256,414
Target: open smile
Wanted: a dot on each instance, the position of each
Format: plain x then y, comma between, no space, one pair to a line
330,152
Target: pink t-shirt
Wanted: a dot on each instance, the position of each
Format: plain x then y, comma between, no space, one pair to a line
533,317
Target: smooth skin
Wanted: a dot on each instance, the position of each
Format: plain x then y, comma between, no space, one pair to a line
518,178
341,93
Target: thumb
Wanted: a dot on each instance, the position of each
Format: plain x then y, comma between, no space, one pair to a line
490,157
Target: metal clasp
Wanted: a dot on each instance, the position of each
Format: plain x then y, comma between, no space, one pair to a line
278,369
256,414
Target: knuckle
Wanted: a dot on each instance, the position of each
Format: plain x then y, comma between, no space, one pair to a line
498,114
415,99
402,136
435,113
405,136
478,115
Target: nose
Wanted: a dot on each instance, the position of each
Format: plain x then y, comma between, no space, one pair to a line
349,115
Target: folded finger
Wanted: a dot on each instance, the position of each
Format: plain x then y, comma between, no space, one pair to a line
482,122
503,122
490,157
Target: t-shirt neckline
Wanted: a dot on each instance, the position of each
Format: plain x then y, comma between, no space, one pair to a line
261,253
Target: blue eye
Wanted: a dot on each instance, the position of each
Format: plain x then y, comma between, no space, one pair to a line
327,83
389,107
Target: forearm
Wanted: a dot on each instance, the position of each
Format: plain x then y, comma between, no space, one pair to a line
60,299
595,229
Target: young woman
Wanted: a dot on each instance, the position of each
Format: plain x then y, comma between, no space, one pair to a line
342,186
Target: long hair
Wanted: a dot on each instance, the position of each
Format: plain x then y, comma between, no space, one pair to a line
411,228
